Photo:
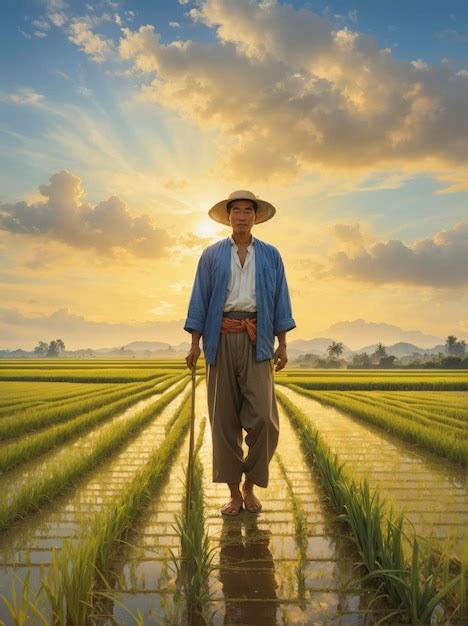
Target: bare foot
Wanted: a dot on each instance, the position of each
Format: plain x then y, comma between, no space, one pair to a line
252,503
234,506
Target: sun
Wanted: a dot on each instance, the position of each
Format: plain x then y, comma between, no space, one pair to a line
206,228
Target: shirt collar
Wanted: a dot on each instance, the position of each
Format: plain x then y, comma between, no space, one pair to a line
233,243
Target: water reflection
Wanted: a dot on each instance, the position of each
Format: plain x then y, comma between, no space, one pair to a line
247,572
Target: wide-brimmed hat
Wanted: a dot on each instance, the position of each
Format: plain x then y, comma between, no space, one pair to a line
265,210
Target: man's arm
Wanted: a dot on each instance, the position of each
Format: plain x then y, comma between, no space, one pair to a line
197,310
282,320
198,305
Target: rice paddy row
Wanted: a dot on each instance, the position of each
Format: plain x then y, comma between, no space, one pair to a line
293,564
430,492
59,476
415,585
438,427
88,498
31,419
35,444
397,380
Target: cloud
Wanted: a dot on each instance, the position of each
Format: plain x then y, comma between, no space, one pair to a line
346,103
174,24
18,329
42,25
440,261
348,232
55,11
95,46
24,95
450,34
105,228
191,240
176,184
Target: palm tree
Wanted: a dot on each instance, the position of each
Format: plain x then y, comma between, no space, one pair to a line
380,351
335,349
450,344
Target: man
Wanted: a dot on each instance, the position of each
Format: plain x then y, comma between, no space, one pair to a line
239,302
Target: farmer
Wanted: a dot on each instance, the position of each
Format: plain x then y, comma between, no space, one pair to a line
239,302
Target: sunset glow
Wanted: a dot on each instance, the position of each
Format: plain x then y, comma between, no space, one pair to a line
124,122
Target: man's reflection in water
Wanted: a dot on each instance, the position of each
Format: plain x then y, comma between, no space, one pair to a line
247,572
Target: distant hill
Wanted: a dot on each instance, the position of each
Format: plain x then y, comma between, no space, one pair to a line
401,349
312,346
160,349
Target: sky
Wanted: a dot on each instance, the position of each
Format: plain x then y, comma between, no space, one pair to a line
123,121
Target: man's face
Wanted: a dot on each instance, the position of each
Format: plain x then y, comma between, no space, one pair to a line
242,216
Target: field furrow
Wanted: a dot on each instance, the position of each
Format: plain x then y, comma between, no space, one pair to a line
28,544
255,579
431,493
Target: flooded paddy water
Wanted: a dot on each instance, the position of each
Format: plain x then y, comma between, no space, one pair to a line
432,492
254,579
28,544
261,573
13,480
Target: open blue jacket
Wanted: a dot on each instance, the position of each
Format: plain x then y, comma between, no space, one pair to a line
205,311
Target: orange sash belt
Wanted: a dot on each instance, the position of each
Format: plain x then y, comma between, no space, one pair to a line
231,325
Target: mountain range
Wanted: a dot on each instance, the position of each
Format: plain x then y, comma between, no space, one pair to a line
160,349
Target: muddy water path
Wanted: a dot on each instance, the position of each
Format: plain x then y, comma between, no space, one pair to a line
50,462
430,491
146,572
255,579
27,546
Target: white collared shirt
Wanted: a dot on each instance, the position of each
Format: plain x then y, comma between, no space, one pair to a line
241,295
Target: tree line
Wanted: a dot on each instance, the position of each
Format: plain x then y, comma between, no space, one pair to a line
454,358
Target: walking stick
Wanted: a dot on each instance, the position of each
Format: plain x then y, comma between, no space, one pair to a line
190,458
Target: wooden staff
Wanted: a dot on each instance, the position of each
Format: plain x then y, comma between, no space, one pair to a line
190,457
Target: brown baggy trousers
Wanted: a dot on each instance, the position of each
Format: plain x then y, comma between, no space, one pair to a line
241,395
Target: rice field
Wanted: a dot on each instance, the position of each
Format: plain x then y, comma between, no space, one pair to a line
364,520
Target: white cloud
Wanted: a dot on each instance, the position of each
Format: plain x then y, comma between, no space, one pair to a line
21,330
97,47
174,24
24,95
106,228
439,261
346,103
41,24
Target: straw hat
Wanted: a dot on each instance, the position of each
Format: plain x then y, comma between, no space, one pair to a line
265,210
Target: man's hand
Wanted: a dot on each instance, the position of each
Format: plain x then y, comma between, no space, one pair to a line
192,357
280,357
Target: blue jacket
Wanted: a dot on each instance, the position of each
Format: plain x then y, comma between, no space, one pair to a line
205,311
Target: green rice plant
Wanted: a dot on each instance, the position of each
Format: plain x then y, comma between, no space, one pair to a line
18,608
415,585
81,575
20,397
425,418
300,531
383,380
37,418
195,564
36,493
441,442
105,374
13,454
69,584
